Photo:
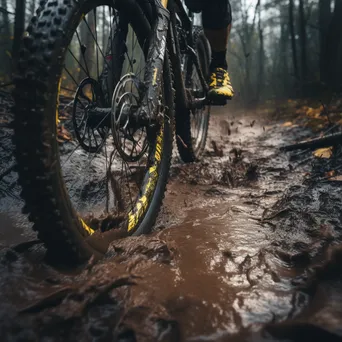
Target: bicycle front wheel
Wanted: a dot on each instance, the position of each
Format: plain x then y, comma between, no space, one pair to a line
89,171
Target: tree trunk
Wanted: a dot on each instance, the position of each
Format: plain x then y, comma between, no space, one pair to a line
333,56
324,22
90,43
4,15
261,55
284,39
32,7
246,36
104,30
86,57
5,42
293,40
87,28
303,43
19,27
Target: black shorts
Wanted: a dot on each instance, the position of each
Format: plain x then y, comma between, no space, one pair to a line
216,14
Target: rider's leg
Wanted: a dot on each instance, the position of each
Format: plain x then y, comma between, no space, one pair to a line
218,40
217,18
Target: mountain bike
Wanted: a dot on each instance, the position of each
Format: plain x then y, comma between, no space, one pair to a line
101,86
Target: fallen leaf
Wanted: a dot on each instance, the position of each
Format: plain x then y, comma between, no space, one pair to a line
63,134
336,178
324,152
287,124
330,174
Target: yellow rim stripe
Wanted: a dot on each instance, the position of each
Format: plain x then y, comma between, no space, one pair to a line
89,230
139,211
57,104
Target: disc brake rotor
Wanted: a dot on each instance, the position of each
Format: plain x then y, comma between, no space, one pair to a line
130,137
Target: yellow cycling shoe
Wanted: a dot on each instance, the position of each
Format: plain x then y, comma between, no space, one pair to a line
220,88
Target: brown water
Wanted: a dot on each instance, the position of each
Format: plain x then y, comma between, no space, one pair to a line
231,253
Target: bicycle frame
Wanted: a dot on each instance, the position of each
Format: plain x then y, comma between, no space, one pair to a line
184,101
164,36
166,32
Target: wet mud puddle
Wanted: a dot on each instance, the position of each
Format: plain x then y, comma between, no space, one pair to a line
236,237
224,274
220,279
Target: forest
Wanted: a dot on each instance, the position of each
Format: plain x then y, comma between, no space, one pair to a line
278,48
236,225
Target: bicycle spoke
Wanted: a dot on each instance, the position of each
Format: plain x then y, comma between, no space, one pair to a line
78,62
119,179
73,91
89,29
70,75
82,52
97,52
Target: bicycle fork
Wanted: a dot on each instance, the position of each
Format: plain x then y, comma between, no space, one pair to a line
154,68
153,71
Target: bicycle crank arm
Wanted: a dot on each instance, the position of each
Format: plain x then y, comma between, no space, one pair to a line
197,103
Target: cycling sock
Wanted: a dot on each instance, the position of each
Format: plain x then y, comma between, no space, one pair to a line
218,60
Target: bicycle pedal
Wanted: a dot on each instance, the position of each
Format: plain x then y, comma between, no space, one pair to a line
218,102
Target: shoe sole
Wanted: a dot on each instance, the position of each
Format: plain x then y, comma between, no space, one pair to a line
218,100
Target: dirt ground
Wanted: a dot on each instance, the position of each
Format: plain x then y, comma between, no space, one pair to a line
246,248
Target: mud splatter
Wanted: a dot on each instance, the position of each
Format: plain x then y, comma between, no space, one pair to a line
245,248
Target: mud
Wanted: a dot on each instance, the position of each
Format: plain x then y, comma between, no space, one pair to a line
246,248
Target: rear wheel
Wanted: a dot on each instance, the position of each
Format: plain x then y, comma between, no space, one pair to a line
87,176
192,125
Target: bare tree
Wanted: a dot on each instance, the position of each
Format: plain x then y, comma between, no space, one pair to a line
87,29
324,22
303,42
90,42
19,27
32,7
245,33
104,29
293,39
4,13
284,50
261,54
334,48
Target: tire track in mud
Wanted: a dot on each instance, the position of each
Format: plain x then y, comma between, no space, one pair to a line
231,257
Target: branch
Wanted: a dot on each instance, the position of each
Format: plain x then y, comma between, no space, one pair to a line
328,140
238,57
2,10
255,13
243,43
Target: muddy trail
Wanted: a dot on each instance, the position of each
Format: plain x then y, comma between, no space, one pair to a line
246,248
